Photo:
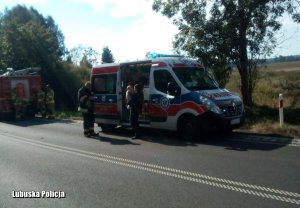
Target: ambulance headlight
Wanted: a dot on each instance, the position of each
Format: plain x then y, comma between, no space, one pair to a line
210,105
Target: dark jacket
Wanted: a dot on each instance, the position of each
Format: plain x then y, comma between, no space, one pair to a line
136,103
85,103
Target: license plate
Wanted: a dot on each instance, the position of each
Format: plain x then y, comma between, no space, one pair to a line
235,121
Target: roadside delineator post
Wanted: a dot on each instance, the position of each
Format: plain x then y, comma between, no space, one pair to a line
280,105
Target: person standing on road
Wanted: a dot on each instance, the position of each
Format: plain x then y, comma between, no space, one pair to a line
86,106
41,102
129,93
49,102
19,104
135,105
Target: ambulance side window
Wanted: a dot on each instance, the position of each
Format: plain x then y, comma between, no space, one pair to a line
104,84
161,80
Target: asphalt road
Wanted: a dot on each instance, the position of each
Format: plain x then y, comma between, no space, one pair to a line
52,161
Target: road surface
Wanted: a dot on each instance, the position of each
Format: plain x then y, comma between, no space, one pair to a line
50,164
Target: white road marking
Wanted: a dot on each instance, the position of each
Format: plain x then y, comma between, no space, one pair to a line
260,191
266,140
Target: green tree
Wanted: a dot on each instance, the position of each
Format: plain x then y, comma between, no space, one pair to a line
84,68
27,39
234,32
86,53
107,56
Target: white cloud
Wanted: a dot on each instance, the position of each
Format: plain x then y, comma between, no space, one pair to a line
119,8
149,31
97,5
13,2
129,8
34,1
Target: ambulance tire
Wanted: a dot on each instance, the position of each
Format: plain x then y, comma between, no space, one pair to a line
188,128
225,131
105,128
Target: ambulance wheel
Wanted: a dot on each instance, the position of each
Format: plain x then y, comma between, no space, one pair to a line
188,128
107,127
225,131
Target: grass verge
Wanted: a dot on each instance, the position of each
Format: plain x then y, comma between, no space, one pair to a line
68,115
263,117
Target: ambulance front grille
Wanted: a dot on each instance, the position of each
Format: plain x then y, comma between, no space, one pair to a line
232,111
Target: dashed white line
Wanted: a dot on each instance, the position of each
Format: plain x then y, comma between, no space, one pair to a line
260,191
267,140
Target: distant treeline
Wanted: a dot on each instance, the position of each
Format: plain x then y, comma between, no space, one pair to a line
280,59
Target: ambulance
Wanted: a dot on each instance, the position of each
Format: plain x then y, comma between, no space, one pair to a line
179,95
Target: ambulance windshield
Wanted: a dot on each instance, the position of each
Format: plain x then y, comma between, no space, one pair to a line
194,78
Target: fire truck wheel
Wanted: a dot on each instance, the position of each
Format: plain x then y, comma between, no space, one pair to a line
188,128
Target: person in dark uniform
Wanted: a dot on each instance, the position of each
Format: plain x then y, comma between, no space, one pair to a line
86,106
49,102
135,106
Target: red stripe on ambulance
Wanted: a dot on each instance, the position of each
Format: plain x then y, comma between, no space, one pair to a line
106,108
102,70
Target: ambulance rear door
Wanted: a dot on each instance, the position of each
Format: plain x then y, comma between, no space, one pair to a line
105,92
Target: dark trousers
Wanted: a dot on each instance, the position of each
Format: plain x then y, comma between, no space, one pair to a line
134,120
88,121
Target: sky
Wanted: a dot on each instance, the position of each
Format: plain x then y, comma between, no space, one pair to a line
130,28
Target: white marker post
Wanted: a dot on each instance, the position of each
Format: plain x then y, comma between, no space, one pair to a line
280,105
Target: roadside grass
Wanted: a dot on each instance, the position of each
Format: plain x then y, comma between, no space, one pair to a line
263,117
74,115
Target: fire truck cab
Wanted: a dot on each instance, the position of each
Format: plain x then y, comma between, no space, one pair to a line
179,94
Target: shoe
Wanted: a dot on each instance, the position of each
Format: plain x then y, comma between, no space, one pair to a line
135,137
88,135
94,134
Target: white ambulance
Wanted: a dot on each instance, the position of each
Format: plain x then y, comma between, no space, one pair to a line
179,95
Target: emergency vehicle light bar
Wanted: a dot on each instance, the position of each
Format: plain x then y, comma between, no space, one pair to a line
157,55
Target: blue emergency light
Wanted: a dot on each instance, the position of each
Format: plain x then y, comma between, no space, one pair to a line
158,55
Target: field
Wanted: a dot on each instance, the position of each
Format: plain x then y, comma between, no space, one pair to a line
264,116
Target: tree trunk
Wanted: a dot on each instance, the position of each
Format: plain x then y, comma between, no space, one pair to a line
243,68
245,86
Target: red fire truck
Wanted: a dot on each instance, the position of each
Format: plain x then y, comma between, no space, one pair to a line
26,82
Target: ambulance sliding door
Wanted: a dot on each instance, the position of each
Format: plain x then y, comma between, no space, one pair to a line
135,73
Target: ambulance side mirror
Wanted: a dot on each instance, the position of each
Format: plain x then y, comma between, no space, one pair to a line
173,89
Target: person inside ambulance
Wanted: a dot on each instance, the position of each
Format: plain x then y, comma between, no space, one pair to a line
193,82
196,79
164,82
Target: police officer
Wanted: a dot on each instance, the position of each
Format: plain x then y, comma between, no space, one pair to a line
86,106
135,106
49,101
